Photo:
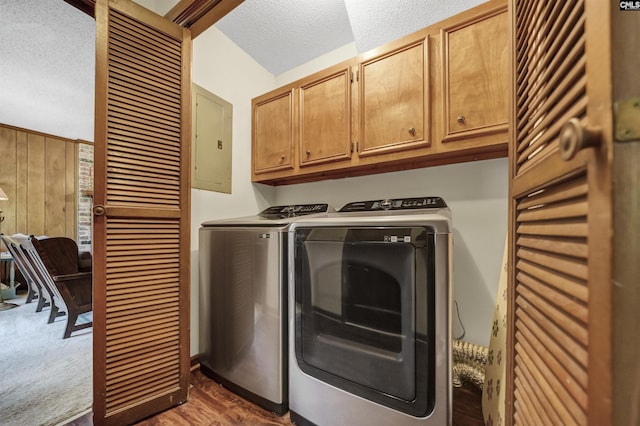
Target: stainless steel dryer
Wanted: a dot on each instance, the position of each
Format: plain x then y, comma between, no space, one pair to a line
243,303
370,315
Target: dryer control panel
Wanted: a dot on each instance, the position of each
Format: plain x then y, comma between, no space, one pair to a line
395,204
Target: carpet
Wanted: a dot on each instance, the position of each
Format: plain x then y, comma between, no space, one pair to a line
44,379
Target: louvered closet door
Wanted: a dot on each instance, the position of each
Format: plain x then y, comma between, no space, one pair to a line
141,213
560,215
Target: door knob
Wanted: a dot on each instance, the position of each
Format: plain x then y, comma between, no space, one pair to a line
412,131
574,137
99,210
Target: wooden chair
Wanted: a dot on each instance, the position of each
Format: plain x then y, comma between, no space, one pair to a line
51,294
59,263
33,289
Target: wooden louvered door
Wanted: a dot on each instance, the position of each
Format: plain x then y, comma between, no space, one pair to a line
141,213
560,288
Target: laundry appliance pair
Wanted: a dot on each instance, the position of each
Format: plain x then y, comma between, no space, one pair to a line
356,320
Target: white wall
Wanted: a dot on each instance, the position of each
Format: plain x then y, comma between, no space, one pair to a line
222,68
476,192
477,195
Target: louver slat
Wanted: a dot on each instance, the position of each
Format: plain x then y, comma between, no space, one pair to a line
526,407
551,295
545,60
128,124
576,371
541,406
551,82
573,398
132,290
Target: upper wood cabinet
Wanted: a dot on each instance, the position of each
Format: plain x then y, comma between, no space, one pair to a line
325,118
273,132
437,96
393,99
476,80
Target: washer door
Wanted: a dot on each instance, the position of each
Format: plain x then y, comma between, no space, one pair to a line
363,312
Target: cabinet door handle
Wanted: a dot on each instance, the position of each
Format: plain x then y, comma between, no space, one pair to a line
412,131
308,152
460,119
282,157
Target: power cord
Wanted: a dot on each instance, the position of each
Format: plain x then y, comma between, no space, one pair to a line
460,321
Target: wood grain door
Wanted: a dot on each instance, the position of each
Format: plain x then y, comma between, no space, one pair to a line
476,79
325,118
273,133
394,93
560,290
141,213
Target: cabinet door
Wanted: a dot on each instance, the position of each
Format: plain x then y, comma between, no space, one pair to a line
325,119
476,78
273,133
393,94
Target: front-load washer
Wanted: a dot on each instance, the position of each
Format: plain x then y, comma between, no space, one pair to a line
370,315
243,302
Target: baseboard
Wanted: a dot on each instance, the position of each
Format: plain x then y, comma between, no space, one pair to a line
195,362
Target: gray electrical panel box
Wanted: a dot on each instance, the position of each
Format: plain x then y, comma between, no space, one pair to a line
211,147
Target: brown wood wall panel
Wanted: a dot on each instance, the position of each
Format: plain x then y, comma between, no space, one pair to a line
36,152
22,173
39,174
8,177
54,190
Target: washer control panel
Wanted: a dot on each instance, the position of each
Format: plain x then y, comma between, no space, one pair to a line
395,204
294,210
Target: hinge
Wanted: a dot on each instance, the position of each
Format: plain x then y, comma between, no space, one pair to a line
354,76
354,147
627,119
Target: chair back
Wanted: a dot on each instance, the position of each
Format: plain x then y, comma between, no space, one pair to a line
58,254
58,260
40,271
11,243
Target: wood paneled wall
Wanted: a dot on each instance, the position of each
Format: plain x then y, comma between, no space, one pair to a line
39,174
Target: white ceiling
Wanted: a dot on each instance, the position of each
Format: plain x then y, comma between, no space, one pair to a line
47,62
282,34
47,47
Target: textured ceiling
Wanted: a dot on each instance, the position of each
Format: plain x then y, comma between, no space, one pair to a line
47,62
282,34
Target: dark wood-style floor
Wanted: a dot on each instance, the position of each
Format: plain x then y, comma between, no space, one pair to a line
211,404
